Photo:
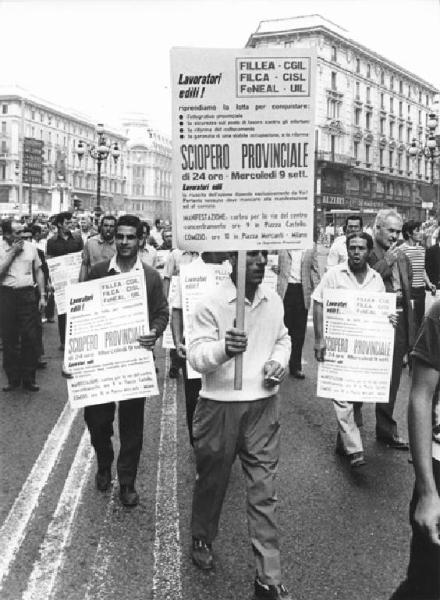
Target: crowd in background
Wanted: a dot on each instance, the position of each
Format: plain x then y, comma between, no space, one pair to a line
388,255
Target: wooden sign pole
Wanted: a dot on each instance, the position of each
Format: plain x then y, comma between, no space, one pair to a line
239,320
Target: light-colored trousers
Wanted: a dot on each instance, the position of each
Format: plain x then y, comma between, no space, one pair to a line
349,417
252,430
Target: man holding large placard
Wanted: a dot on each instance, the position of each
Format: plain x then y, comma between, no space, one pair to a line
356,275
228,422
99,418
59,245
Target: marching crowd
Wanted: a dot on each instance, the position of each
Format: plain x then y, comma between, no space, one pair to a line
224,422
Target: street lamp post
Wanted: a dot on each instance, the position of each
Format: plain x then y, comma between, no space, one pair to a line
99,152
430,150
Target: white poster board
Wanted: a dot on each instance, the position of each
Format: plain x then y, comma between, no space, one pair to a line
167,340
64,271
243,148
196,280
359,346
104,320
161,259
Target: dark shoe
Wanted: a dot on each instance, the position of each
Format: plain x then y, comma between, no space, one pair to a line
13,385
270,592
51,320
41,364
357,460
128,495
201,554
395,442
31,386
339,448
297,373
66,374
103,479
173,373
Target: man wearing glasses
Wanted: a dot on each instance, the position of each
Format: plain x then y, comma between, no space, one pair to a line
20,269
99,418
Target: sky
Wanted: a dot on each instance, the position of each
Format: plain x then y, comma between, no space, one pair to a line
108,58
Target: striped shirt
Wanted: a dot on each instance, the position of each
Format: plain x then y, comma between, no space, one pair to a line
416,255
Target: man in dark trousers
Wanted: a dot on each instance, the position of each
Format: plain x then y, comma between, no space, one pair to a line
395,269
59,245
20,269
99,418
423,576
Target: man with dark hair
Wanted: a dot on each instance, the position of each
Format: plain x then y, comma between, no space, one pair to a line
99,247
156,238
395,269
338,252
423,576
99,418
243,422
147,253
20,269
59,245
355,274
415,251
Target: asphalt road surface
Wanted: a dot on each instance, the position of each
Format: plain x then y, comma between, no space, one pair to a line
344,533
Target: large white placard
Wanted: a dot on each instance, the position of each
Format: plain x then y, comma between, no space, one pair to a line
167,340
243,148
104,319
359,346
64,271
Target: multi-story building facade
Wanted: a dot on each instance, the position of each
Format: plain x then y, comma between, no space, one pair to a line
368,111
65,176
148,169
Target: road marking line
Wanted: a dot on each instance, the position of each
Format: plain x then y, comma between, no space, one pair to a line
42,580
106,549
13,529
167,584
101,581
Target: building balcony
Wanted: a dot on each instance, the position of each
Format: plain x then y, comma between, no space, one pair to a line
334,94
333,157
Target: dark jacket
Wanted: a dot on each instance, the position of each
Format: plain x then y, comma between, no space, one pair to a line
379,264
58,246
432,264
158,311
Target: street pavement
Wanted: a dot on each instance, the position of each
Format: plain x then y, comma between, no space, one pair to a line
344,533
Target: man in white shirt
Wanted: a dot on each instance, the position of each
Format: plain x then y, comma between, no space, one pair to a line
355,274
20,270
338,251
228,422
99,418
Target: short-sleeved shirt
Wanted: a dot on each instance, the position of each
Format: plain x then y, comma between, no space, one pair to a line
427,349
96,250
20,273
416,255
176,258
338,252
341,277
58,246
148,255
